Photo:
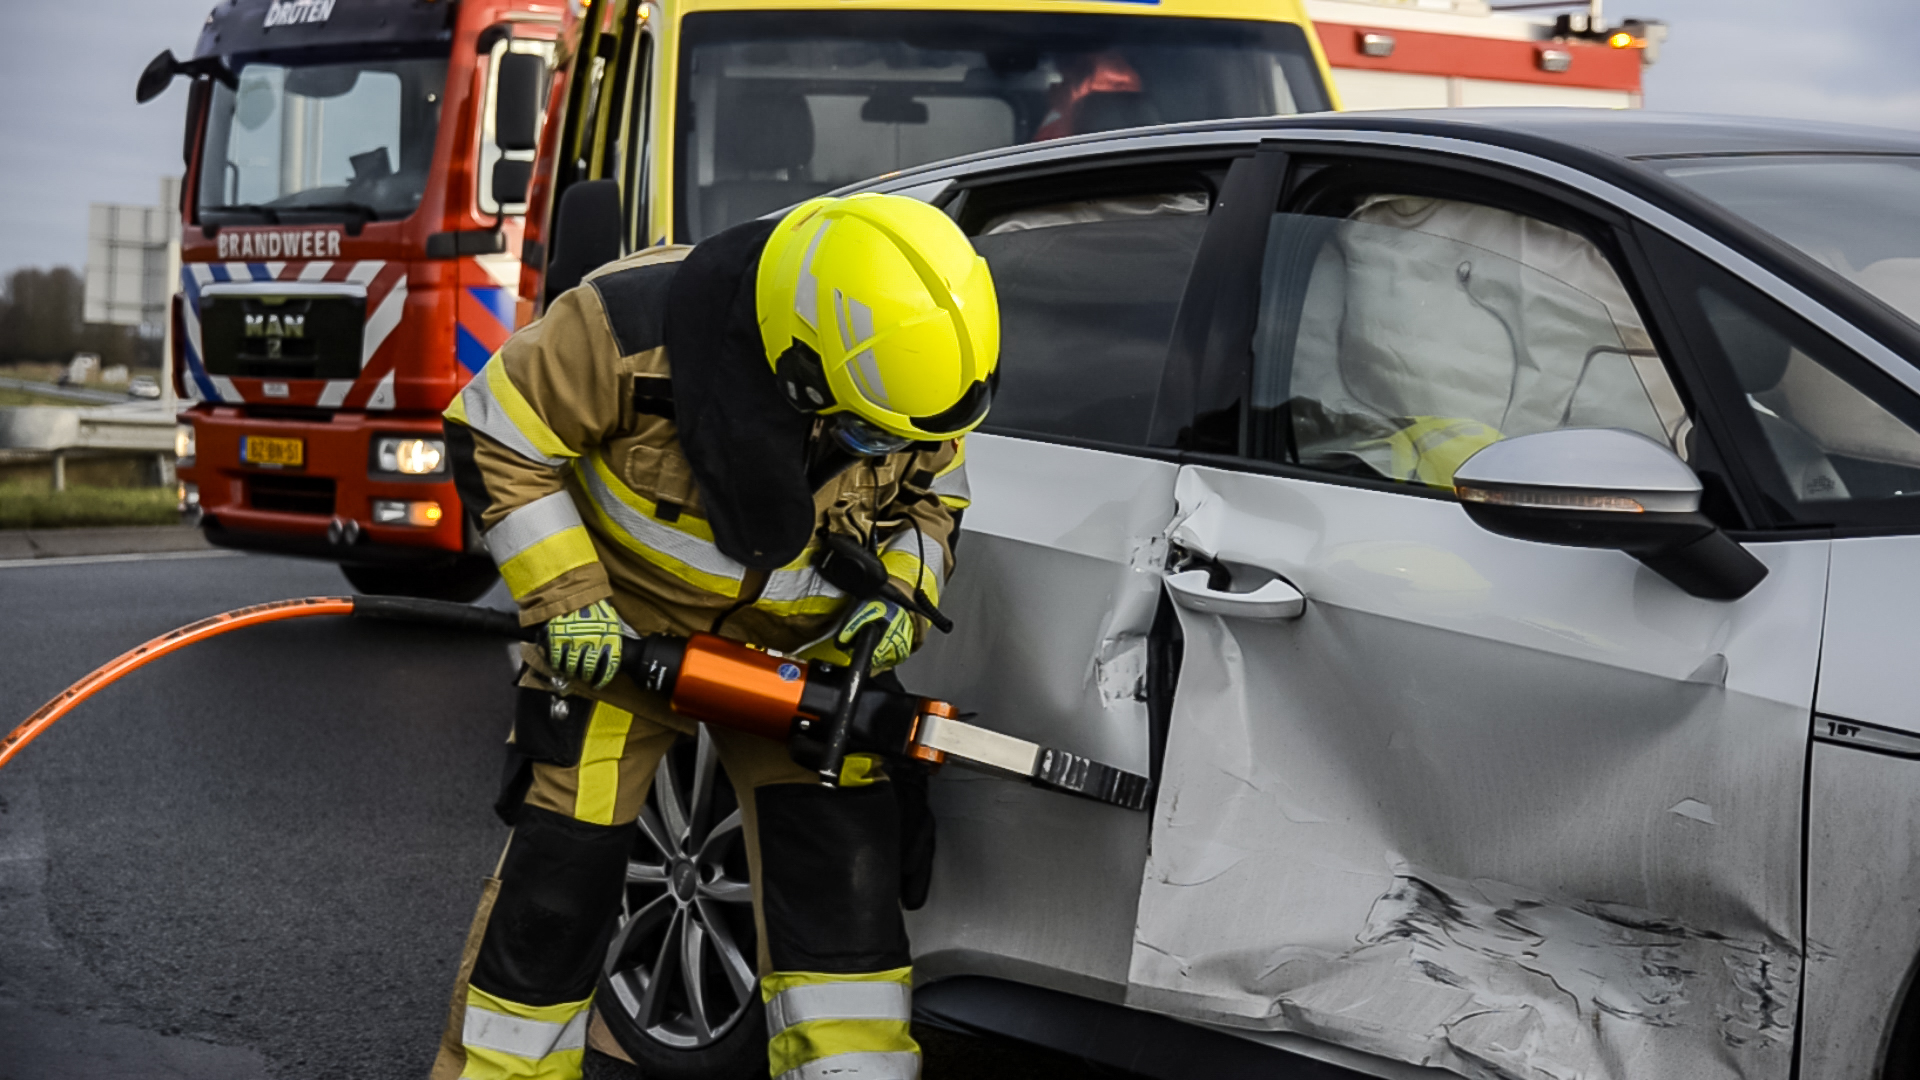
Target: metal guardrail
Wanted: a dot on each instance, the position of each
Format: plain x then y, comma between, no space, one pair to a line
76,394
53,434
143,426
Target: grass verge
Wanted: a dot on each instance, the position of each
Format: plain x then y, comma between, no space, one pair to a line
81,506
11,397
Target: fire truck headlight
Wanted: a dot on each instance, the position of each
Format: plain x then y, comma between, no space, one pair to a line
183,443
410,457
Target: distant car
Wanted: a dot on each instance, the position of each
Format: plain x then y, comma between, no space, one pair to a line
1496,534
143,386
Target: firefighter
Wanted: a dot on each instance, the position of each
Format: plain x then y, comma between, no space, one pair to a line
663,452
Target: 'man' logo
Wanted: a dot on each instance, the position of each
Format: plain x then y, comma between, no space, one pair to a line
295,12
279,244
275,329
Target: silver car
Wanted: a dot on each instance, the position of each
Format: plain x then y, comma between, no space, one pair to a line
1494,532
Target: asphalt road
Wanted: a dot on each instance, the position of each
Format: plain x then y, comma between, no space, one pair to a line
257,857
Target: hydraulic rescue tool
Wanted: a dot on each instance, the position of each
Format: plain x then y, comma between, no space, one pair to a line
822,711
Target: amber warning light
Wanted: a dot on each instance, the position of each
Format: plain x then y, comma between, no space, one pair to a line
1642,34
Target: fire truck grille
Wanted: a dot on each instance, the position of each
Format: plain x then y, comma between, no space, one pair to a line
291,494
283,337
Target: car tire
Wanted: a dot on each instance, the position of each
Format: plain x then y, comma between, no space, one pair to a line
464,580
679,990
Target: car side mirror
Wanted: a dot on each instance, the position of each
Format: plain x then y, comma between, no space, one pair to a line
516,102
1606,488
157,77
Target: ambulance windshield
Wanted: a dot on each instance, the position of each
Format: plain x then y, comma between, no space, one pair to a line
335,140
780,106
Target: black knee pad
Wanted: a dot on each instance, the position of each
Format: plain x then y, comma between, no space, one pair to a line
830,867
554,918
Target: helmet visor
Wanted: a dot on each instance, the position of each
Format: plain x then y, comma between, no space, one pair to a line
965,414
856,436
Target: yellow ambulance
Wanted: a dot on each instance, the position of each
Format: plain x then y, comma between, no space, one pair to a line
668,122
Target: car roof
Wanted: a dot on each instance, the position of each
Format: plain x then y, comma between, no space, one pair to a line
1588,138
1637,133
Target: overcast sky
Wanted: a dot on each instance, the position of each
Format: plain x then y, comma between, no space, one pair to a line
73,136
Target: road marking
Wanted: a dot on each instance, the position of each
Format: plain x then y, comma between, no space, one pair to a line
85,560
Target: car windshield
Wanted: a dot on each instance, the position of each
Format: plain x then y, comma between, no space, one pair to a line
783,106
1858,215
336,139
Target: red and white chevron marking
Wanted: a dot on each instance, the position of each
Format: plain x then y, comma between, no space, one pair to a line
386,285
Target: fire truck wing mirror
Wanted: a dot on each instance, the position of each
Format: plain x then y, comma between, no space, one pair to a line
510,180
157,77
516,103
586,233
322,81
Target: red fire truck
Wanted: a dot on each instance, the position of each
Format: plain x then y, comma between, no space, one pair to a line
1432,54
353,207
358,179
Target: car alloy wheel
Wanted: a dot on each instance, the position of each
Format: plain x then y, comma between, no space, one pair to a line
681,964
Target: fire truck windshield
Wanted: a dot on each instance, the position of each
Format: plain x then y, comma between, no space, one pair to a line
779,106
322,140
1856,214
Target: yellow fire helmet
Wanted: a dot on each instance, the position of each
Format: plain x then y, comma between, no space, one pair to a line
878,306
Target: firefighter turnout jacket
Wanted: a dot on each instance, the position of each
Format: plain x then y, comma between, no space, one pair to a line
576,451
566,445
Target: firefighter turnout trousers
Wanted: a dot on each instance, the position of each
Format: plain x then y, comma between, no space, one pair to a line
833,961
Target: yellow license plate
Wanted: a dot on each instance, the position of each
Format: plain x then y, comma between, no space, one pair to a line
264,450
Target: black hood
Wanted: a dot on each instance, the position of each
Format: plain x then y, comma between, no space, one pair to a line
747,446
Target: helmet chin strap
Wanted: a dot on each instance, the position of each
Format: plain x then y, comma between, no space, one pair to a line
826,458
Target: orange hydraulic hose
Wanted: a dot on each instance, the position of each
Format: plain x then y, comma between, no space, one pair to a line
19,737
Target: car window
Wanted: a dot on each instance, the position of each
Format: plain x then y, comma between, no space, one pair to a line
1396,341
1088,292
1831,440
1856,214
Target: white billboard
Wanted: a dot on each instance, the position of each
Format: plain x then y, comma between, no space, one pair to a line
133,261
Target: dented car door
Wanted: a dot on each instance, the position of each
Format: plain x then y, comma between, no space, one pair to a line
1058,579
1504,808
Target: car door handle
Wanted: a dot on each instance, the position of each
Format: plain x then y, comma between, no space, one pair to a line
1275,600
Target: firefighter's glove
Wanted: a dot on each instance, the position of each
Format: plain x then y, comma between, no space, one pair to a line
896,641
584,646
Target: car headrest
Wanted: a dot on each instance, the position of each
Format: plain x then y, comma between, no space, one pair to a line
1113,110
763,129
